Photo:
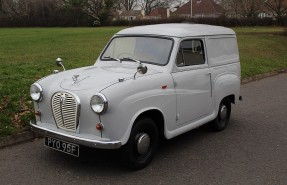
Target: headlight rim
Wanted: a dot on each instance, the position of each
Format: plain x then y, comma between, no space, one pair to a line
105,102
40,91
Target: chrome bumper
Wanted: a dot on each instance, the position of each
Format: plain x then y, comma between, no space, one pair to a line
77,140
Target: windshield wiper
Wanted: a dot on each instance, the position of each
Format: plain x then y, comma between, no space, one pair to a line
111,58
123,59
140,69
132,60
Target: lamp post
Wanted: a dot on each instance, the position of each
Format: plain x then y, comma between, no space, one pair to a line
190,8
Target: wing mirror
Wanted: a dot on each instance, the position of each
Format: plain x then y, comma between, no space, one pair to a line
59,63
142,69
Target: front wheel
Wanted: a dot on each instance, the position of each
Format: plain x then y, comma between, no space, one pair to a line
142,144
223,115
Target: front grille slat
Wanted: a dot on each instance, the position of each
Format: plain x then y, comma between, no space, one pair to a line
65,109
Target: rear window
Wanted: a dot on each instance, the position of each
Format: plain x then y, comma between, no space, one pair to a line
222,50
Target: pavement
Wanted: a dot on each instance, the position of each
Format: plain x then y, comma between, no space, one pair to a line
252,150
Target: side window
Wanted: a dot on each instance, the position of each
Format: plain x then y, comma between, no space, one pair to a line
191,52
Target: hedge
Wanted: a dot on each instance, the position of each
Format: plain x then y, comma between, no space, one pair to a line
84,21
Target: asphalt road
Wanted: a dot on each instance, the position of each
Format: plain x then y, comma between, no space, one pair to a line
252,150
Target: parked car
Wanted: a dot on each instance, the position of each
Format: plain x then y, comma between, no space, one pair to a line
149,82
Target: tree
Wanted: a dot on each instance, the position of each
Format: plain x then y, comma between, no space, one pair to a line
27,12
99,10
73,10
230,7
149,5
277,7
126,4
250,8
174,3
16,9
1,2
243,8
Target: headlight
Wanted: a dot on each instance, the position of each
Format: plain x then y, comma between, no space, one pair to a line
99,103
36,92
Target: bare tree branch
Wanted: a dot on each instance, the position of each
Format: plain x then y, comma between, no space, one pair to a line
149,5
98,9
277,7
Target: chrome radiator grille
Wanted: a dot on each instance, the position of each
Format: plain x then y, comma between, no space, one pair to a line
65,107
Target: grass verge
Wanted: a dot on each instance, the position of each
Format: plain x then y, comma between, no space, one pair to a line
262,50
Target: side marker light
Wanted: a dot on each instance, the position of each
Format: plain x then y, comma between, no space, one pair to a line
164,86
100,126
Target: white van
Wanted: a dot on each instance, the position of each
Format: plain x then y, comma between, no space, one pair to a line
149,82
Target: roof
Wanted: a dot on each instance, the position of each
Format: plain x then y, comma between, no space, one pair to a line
159,12
177,30
200,7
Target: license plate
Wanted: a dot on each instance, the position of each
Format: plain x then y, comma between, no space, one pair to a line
63,146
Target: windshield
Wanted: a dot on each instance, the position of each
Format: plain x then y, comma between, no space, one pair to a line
145,49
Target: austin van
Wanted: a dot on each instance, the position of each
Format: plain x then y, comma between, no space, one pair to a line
149,82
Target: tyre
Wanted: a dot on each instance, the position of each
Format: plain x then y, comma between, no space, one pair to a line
142,144
223,115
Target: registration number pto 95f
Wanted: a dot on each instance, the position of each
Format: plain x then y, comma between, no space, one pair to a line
62,146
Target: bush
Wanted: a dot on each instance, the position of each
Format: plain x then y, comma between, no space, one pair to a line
284,21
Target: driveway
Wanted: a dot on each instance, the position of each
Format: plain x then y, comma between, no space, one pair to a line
252,150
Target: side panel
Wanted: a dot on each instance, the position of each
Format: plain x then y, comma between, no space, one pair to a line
226,81
224,63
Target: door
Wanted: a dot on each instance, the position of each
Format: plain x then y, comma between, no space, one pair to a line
192,82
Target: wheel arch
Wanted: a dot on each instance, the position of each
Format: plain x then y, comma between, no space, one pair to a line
138,152
231,98
157,116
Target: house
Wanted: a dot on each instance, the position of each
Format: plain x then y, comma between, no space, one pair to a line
236,11
115,15
158,13
199,8
265,14
132,15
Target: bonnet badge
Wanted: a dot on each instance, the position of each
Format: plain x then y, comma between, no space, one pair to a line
62,98
75,78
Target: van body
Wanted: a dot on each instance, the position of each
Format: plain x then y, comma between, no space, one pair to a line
149,82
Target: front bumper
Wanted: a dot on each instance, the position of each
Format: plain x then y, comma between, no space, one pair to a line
77,140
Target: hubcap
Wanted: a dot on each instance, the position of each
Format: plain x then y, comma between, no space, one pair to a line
223,112
143,143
